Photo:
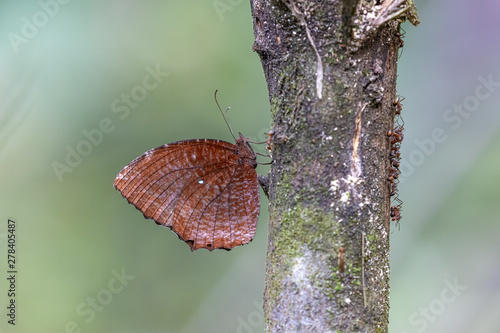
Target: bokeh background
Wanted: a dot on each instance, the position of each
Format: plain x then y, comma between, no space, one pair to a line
87,260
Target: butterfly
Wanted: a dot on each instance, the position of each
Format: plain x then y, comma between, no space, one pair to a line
204,190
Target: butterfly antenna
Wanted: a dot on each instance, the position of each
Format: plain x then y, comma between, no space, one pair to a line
224,116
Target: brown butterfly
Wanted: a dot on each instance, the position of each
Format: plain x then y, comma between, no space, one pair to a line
204,190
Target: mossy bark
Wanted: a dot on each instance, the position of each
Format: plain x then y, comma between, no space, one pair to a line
331,80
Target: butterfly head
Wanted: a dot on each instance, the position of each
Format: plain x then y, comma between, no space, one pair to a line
245,151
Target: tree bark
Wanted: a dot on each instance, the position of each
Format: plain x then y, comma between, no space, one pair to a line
331,74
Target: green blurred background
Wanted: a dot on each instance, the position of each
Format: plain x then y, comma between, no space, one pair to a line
76,234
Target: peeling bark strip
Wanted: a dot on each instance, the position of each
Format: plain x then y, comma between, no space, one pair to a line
356,162
331,74
319,72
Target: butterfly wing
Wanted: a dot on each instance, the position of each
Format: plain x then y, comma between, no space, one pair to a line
201,189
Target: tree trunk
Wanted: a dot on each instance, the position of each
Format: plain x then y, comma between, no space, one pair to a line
331,74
